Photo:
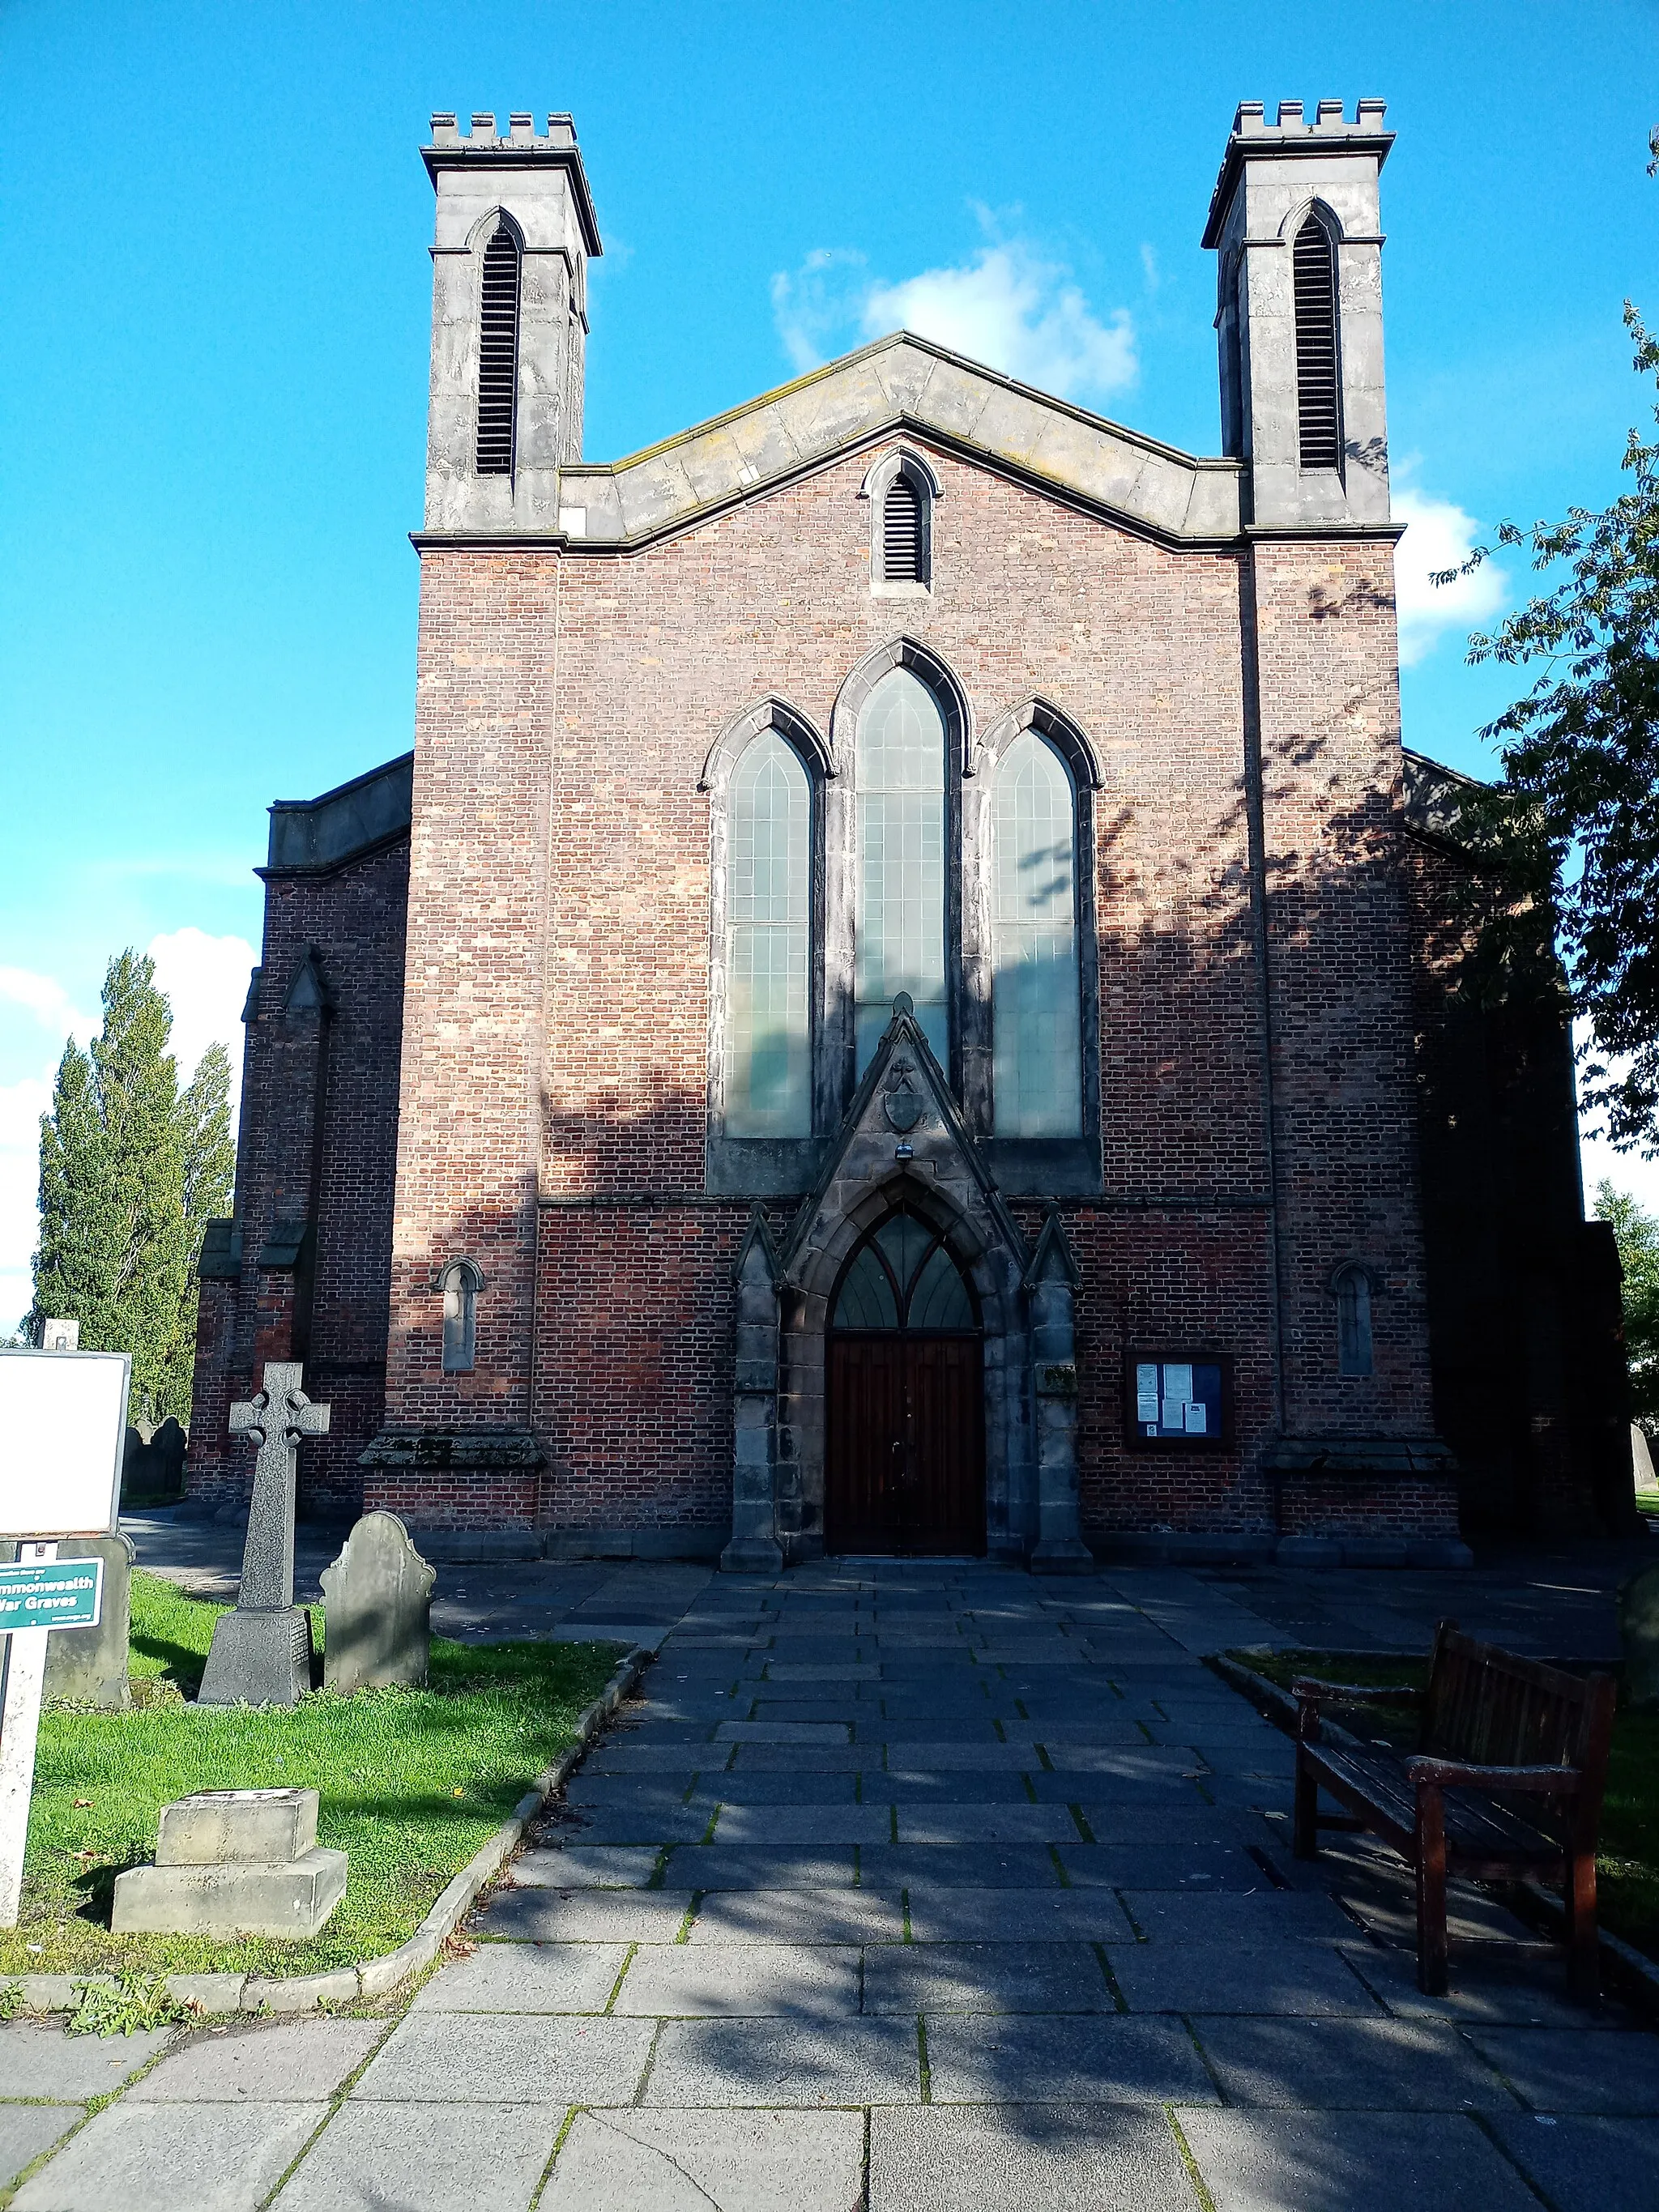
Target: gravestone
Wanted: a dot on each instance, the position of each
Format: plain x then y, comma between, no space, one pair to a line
59,1335
233,1863
153,1467
1641,1460
377,1609
1638,1633
90,1664
261,1650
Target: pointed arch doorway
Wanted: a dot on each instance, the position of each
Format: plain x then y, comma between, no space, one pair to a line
904,1466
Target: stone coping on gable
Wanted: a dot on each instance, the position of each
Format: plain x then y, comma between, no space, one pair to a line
902,383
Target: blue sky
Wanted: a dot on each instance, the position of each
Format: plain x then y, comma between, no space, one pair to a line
213,366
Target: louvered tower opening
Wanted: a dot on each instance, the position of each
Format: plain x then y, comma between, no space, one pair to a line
498,353
1318,391
903,544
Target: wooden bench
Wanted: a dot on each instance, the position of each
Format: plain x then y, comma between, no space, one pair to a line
1506,1782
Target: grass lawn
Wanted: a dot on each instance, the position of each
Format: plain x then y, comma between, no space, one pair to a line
1627,1862
411,1783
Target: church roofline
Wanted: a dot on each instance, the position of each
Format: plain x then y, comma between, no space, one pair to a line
904,385
312,837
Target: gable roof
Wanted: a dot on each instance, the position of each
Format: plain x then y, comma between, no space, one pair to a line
902,383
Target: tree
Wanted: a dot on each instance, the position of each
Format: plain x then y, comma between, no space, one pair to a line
129,1173
1636,1232
1581,761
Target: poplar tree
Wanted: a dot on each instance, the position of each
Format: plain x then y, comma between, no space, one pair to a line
130,1171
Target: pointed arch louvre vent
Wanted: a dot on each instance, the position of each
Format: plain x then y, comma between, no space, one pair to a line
1318,398
498,353
902,560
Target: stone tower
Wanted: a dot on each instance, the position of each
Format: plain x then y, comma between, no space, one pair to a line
1295,220
517,313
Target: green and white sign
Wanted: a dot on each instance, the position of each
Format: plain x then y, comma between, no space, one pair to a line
54,1594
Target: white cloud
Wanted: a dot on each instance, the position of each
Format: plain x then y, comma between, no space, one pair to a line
1008,306
205,980
1438,536
45,997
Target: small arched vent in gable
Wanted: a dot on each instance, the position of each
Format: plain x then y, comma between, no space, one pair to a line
903,533
498,353
1318,390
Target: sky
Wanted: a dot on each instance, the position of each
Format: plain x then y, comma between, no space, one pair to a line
213,362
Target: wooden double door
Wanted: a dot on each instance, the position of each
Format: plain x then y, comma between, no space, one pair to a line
905,1465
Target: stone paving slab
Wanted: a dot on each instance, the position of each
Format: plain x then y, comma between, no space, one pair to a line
1201,1869
1254,2161
749,1980
986,1824
1487,1990
526,1978
1229,1920
985,1978
42,2062
803,1824
1578,2070
755,1866
797,1915
1018,1915
1187,1978
27,2130
1115,2058
526,2058
1077,2159
295,2063
1586,2164
586,1866
583,1916
778,2063
445,2158
138,2158
812,1787
950,1866
1361,2065
687,2161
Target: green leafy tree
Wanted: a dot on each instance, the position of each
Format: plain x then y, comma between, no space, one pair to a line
1581,761
1636,1232
129,1170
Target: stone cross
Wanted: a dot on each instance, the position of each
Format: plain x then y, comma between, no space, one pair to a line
261,1652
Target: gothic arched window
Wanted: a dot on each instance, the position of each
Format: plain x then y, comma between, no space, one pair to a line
769,1054
1037,1040
1352,1288
901,925
498,353
1318,386
460,1283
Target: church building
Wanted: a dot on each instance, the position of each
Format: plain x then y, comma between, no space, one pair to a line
907,999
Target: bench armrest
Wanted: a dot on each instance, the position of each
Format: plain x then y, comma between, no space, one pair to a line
1425,1770
1307,1691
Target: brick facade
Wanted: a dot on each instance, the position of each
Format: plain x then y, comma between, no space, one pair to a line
513,1051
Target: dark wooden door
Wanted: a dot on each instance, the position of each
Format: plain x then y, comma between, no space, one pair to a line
905,1467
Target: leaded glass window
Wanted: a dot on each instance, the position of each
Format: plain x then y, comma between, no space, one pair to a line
768,1087
903,1276
901,803
1036,1048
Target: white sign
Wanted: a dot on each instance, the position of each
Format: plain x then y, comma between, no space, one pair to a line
63,1425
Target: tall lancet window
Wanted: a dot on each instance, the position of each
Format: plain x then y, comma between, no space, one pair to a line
498,353
900,918
1318,387
769,1083
1037,1042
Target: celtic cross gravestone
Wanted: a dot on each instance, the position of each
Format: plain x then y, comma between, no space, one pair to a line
261,1649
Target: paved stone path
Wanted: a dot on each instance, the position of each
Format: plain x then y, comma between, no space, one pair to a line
930,1887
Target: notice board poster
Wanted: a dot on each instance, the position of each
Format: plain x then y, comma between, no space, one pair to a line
1177,1396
